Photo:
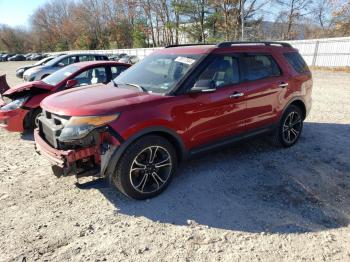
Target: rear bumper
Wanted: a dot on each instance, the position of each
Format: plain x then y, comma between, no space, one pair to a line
13,120
63,158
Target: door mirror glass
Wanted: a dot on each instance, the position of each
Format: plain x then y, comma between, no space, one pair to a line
71,83
202,86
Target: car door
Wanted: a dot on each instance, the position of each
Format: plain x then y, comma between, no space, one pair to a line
217,113
265,85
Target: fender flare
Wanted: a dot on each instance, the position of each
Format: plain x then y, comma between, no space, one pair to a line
294,99
118,152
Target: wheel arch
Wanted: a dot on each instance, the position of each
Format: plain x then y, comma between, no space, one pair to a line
299,103
164,132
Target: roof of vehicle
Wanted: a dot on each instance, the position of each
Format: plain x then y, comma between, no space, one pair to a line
101,62
81,54
224,46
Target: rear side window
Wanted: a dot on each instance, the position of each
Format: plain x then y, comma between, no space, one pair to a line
260,67
101,58
297,62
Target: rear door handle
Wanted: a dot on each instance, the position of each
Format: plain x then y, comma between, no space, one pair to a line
283,85
236,95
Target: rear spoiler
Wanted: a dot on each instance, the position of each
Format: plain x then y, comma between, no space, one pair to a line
3,84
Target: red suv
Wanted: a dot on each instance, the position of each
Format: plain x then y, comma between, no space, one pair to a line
176,103
22,109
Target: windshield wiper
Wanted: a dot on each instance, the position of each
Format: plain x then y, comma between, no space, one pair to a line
138,86
115,83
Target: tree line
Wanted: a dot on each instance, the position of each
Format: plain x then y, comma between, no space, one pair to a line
60,25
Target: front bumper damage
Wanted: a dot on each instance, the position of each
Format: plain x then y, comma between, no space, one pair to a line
13,120
66,160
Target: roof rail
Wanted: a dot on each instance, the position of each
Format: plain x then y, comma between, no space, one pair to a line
169,46
267,43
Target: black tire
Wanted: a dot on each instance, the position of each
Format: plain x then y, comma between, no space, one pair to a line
134,174
31,121
288,133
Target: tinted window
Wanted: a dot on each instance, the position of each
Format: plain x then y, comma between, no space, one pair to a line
221,72
260,66
101,58
297,62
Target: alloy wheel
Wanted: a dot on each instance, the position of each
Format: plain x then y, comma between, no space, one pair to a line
292,127
150,169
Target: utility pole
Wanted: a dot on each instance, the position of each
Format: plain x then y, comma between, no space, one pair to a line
242,19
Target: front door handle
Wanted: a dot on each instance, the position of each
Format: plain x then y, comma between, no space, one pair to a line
283,85
236,95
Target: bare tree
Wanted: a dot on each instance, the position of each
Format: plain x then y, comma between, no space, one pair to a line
293,12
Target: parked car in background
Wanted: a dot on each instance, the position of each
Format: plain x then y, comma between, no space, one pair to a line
129,59
40,72
116,57
177,102
22,110
17,57
37,57
20,71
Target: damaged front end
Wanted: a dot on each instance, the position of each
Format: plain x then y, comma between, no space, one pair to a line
3,88
82,154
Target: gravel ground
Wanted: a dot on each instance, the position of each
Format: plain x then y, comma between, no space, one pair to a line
250,202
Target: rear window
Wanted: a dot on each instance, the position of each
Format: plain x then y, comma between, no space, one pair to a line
260,66
297,62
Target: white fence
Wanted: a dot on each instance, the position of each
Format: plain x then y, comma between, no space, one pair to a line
332,52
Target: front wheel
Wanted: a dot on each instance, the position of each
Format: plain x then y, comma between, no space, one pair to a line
290,127
146,168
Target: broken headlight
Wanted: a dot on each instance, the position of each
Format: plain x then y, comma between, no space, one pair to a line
79,126
15,103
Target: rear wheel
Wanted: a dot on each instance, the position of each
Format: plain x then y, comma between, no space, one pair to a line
146,168
290,127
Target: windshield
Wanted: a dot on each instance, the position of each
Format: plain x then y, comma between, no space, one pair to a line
44,61
60,75
157,73
54,61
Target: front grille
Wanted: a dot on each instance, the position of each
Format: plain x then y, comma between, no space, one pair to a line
50,127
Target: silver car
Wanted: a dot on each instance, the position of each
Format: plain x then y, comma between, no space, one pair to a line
40,72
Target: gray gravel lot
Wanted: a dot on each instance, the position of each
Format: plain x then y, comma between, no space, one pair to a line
250,202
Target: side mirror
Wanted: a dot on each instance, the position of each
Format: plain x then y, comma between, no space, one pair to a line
60,64
71,83
203,86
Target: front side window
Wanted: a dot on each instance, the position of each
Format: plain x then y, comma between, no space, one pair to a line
260,67
92,76
223,71
157,73
67,61
60,75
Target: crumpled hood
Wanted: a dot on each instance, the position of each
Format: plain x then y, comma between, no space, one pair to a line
28,86
95,100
